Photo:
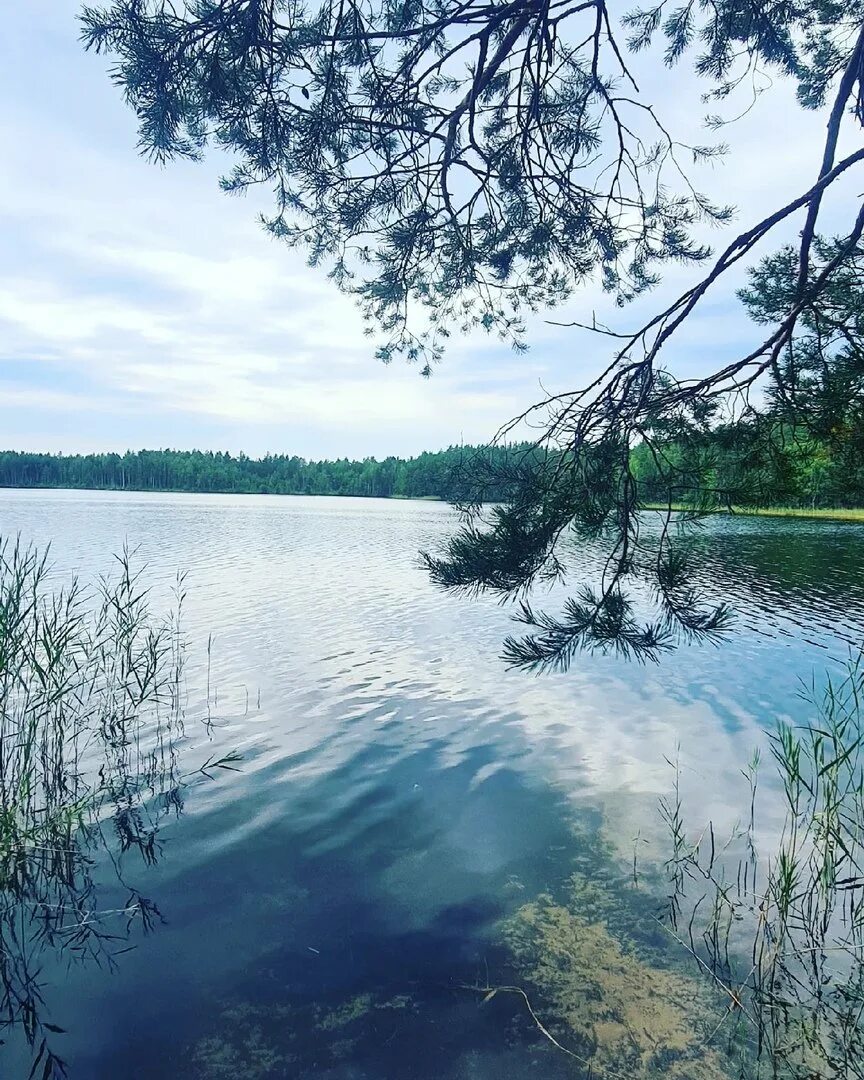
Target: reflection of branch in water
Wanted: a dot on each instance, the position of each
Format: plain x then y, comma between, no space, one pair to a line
90,716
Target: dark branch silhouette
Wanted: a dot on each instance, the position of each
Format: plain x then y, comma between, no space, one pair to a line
458,163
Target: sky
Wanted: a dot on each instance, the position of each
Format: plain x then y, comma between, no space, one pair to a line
142,307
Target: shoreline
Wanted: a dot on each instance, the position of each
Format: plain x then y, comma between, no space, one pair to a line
814,514
853,514
223,491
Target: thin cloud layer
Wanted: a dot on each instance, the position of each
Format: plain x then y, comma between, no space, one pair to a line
141,306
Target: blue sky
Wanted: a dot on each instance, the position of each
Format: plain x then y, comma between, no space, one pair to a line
142,307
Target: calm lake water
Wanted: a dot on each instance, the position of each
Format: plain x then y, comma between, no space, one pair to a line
399,792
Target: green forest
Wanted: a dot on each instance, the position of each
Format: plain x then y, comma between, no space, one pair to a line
737,466
427,475
760,465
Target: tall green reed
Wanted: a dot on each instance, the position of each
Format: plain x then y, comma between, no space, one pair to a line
91,712
782,929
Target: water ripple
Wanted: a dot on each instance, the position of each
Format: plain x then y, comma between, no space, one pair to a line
395,779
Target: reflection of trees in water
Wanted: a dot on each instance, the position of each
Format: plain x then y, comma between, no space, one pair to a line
91,712
775,574
783,556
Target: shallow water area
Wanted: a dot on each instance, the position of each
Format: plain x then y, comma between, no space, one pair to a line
329,904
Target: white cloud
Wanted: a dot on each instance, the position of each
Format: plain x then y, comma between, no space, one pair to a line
158,292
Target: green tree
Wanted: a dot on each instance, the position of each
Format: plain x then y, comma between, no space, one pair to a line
436,475
461,162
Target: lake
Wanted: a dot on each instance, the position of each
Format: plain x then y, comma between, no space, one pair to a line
331,907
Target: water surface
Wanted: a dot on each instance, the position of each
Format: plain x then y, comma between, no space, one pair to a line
400,792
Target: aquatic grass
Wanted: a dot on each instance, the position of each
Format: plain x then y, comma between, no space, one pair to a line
784,935
90,718
816,512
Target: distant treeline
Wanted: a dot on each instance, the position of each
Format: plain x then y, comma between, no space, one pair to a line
428,475
742,465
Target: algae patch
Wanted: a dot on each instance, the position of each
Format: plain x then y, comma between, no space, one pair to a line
250,1059
270,1042
621,1012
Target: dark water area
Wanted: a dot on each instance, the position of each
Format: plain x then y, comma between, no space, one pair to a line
331,907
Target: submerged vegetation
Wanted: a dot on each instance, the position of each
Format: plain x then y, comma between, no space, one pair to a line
578,982
772,920
752,968
91,714
620,1009
256,1042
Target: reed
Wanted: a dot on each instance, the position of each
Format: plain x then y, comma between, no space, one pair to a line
782,930
90,717
814,513
819,513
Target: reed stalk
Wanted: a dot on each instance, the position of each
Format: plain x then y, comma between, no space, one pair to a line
90,718
784,930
